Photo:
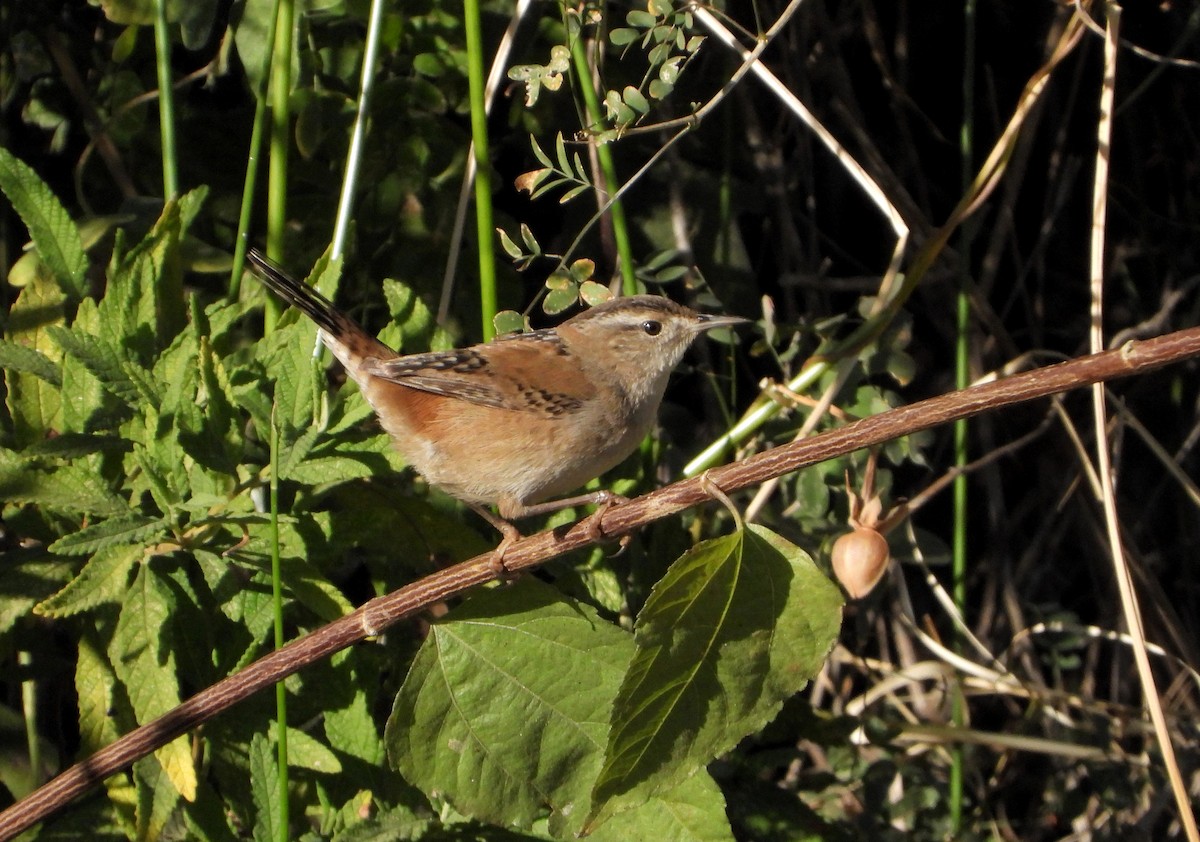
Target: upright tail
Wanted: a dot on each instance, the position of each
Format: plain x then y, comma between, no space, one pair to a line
310,302
346,339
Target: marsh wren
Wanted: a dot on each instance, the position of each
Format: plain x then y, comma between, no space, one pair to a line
526,417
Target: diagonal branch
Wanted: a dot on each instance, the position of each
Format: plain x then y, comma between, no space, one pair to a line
373,617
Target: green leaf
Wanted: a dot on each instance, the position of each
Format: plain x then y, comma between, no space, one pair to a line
623,36
504,709
530,241
635,100
594,293
104,579
736,626
156,798
506,243
14,357
132,528
143,658
54,235
542,157
264,789
694,811
508,321
660,89
29,575
95,686
105,363
70,488
564,161
573,192
350,728
34,403
304,752
558,300
582,270
90,406
640,19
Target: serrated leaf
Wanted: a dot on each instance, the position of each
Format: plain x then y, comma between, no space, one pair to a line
304,752
53,233
104,579
95,683
14,357
736,626
29,575
69,488
503,711
130,529
156,798
694,811
74,445
34,403
143,659
104,363
413,325
264,789
351,729
89,406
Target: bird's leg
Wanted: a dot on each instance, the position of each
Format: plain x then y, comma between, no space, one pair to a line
509,535
602,500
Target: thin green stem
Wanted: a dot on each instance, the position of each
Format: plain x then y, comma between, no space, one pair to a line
277,166
616,210
483,173
277,174
280,641
251,180
962,377
166,100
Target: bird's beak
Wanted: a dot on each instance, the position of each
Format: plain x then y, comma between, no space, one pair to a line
708,322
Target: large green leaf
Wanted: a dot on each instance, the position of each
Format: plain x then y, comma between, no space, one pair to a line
34,401
505,709
104,579
53,233
70,488
143,658
735,627
694,811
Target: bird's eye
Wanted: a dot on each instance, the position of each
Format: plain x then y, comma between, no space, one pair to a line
652,327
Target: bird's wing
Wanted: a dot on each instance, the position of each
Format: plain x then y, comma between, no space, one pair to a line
519,373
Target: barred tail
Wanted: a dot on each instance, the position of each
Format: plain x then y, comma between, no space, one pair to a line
310,302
